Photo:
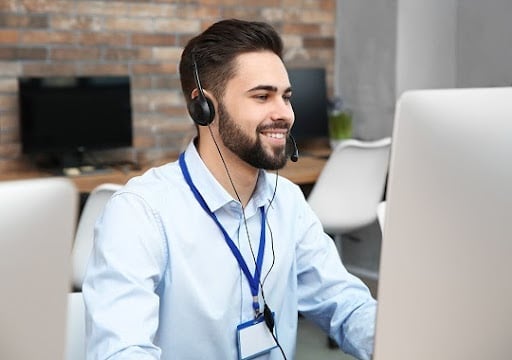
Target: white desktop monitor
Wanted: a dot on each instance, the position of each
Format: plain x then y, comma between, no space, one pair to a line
445,281
37,223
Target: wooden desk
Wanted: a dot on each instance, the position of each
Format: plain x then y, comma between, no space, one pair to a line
303,172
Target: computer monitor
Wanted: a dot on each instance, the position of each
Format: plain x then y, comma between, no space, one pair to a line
37,222
310,104
63,118
446,260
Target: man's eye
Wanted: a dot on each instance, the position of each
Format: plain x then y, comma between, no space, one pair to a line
287,98
262,97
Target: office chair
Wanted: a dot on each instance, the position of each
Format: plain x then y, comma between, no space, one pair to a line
84,237
350,186
75,334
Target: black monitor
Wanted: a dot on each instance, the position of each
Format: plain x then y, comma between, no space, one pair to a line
310,103
64,117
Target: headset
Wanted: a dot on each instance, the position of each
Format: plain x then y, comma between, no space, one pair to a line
200,108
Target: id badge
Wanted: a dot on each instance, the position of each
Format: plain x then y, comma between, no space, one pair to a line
254,339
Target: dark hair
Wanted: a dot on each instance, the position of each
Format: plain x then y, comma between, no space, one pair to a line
217,47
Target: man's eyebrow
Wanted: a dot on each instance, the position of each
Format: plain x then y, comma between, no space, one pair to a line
268,88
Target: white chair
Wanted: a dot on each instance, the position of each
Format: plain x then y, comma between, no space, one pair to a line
350,186
381,214
84,237
75,335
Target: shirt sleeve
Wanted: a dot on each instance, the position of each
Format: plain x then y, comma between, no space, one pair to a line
125,268
338,302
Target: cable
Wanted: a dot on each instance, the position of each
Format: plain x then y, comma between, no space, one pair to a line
271,235
267,313
269,321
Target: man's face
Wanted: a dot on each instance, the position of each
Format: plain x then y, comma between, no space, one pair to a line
255,114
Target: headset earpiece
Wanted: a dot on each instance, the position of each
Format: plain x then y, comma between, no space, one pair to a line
200,108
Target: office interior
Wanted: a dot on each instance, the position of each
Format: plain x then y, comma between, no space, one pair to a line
372,53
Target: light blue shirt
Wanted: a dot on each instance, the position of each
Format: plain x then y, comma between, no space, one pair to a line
163,284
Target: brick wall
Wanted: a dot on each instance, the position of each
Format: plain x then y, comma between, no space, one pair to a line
142,39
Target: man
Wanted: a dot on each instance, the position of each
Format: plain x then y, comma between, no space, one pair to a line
212,257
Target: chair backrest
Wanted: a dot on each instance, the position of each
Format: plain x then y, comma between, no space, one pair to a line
37,224
381,214
84,238
75,339
351,185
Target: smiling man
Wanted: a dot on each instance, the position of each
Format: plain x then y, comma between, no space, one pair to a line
214,255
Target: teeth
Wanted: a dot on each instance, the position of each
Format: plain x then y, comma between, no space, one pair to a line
276,135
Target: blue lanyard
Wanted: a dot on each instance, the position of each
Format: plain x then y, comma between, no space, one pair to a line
254,281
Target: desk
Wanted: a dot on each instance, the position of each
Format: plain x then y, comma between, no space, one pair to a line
304,172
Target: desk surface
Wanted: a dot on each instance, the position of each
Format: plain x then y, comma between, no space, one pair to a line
303,172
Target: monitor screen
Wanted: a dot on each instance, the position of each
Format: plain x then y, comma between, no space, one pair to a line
309,102
66,114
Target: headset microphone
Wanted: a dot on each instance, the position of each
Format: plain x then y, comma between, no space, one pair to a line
295,153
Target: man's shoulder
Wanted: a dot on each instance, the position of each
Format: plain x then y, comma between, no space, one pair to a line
156,181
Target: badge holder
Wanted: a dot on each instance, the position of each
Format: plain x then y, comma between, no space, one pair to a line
254,339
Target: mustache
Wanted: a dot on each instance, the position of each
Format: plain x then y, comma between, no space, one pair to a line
275,125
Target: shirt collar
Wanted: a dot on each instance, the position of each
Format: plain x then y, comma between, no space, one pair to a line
215,195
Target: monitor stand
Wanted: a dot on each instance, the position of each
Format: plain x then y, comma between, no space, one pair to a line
71,163
85,170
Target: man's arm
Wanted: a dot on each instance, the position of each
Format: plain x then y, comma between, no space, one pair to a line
338,302
125,268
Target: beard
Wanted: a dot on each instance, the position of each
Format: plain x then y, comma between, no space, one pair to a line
249,150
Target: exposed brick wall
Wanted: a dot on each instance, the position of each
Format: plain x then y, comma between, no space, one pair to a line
142,39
